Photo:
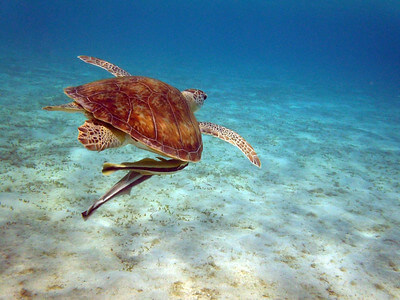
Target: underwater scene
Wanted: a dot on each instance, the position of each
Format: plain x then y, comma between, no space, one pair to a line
283,184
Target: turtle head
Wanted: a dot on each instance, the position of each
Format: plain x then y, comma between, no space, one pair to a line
195,98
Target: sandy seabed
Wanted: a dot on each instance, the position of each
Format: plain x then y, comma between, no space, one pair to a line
320,219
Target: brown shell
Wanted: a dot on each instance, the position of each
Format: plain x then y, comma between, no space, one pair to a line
150,111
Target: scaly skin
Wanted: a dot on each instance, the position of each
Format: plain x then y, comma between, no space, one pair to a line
231,137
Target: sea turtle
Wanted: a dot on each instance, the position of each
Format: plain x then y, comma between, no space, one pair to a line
147,113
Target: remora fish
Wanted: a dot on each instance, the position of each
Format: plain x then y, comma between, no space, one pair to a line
138,172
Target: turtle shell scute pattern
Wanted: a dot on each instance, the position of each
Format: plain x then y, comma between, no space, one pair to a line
150,111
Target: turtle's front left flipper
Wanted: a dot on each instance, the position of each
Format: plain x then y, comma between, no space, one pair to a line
113,69
123,186
231,137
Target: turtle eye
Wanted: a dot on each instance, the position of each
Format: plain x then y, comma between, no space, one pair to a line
195,98
199,97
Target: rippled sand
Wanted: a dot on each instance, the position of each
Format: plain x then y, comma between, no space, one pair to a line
320,219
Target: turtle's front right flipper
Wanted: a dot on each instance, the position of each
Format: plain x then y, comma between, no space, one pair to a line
231,137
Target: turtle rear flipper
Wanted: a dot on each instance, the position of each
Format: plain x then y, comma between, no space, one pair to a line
97,136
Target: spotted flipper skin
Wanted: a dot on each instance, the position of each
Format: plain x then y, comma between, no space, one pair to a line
113,69
96,136
232,137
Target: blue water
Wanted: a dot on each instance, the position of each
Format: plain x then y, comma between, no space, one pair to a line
312,85
352,41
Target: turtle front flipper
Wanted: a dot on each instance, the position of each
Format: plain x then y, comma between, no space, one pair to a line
232,137
97,136
113,69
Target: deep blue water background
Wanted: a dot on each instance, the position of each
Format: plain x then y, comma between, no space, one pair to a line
356,42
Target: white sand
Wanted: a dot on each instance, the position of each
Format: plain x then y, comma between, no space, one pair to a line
320,219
